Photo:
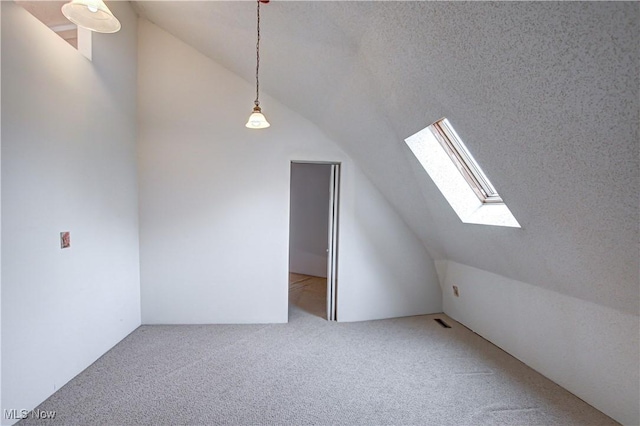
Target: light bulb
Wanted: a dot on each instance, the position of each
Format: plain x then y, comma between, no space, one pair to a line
92,8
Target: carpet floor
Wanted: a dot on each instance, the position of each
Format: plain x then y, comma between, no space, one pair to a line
404,371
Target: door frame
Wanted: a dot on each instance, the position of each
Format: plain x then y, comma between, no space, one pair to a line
333,234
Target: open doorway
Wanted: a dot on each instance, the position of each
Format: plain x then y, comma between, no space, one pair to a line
313,238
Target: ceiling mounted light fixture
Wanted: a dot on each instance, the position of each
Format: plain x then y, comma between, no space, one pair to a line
257,120
93,15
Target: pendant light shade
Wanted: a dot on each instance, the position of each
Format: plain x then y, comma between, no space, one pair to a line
93,15
257,120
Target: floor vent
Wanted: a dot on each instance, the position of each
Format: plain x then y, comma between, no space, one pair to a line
442,323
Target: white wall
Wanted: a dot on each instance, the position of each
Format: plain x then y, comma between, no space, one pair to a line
309,218
589,349
214,203
68,164
0,216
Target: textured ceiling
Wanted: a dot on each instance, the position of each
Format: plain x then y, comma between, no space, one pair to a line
545,95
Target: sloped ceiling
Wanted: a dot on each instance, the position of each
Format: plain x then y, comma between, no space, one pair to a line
545,95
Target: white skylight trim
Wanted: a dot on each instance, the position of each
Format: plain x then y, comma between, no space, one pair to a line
458,176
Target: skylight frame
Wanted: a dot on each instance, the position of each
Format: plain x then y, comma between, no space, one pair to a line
465,186
464,162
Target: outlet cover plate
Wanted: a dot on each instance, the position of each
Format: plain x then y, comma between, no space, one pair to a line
65,240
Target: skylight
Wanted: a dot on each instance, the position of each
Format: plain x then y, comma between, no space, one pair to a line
458,176
50,14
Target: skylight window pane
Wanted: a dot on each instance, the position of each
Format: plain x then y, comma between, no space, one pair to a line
465,162
458,176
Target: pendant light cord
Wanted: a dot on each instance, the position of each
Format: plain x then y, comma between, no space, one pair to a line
257,102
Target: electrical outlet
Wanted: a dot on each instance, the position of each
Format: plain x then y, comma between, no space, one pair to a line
65,240
456,293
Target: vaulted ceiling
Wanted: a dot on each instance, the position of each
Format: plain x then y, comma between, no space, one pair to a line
545,95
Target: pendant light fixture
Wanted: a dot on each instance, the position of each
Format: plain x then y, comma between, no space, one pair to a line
93,15
257,120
